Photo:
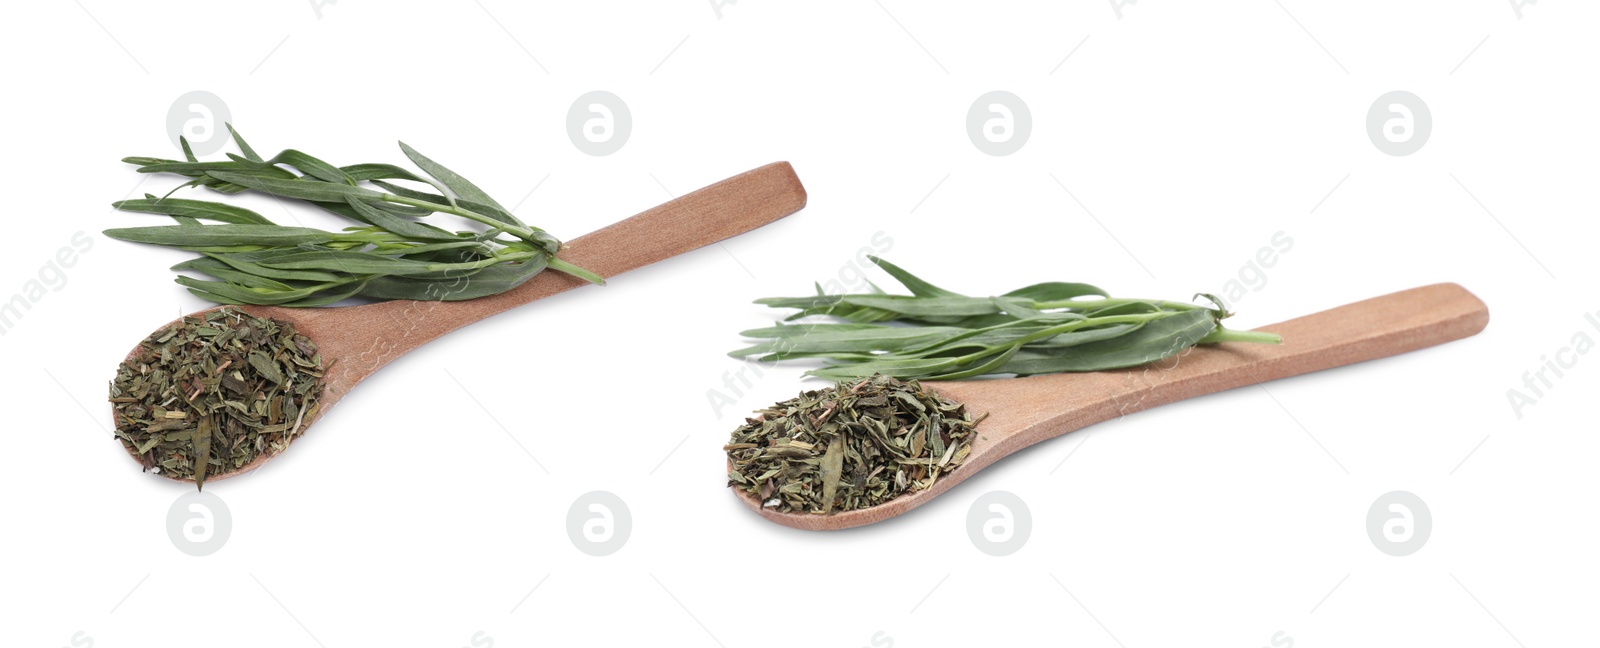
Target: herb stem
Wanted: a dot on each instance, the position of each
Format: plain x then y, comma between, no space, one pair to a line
1230,335
592,277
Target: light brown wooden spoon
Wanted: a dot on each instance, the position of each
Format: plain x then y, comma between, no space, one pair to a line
1025,411
359,340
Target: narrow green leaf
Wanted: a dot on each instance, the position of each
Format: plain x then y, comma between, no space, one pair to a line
492,211
884,338
244,295
329,296
221,235
205,209
425,249
398,190
458,286
462,187
248,262
956,306
301,189
1084,336
212,297
988,366
389,221
224,249
911,367
1135,307
1056,291
1153,341
796,330
198,168
373,172
1015,307
917,286
349,261
226,272
307,164
140,160
249,153
346,211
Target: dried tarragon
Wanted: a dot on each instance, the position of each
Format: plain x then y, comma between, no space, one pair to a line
855,445
209,393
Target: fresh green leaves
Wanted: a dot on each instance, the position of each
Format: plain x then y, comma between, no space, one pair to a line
937,334
389,254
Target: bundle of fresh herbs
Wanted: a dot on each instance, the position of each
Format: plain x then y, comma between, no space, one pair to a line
851,446
936,334
211,392
389,254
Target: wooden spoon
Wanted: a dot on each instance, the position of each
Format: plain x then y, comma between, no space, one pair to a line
359,340
1025,411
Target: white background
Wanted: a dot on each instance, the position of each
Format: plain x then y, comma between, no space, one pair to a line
1191,135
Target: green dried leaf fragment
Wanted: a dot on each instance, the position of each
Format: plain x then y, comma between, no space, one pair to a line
266,367
202,451
832,468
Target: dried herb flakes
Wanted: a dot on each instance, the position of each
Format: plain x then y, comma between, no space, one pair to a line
211,392
855,445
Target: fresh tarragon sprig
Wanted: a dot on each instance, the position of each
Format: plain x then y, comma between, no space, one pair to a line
390,254
936,334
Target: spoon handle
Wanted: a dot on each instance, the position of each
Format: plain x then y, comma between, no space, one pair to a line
1051,405
694,220
1375,328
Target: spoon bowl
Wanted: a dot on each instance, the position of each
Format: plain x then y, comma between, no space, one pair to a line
1026,411
357,341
